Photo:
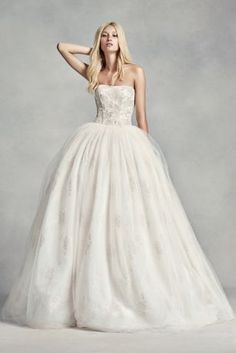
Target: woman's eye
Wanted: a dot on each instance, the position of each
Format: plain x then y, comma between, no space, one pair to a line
114,35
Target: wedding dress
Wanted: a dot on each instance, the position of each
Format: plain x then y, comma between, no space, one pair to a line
111,247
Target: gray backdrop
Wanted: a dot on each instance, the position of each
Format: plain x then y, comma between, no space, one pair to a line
187,49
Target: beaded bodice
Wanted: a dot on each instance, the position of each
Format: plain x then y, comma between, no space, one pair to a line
115,104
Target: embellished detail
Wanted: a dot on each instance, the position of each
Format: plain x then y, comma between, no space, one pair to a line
115,104
65,245
142,303
113,121
69,187
117,221
49,274
88,242
62,217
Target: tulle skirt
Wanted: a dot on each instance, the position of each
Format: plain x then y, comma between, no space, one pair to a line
111,247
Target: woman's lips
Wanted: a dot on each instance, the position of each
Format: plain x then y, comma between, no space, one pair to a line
109,44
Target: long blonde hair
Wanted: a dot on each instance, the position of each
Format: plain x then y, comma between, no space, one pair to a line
97,58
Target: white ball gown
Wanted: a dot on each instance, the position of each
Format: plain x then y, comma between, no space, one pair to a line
111,247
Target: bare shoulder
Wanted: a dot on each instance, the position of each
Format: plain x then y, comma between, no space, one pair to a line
135,73
138,75
134,68
139,72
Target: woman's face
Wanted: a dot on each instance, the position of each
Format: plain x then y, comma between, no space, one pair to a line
109,40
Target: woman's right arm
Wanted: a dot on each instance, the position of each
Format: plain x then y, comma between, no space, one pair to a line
67,50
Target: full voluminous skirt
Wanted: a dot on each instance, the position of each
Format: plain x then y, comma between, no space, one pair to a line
111,247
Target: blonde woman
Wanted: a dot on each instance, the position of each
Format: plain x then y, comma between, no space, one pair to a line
111,247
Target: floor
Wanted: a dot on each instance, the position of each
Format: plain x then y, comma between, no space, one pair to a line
218,338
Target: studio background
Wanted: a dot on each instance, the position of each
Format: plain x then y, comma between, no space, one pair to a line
187,49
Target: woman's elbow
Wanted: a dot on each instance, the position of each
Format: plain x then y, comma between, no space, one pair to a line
59,46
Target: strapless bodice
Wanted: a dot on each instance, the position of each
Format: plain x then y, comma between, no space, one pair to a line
115,104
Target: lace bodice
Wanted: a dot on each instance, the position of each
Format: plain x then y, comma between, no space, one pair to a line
115,104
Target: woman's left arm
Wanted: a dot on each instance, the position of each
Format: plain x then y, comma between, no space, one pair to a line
140,98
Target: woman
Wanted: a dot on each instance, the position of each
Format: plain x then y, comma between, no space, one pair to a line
111,247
